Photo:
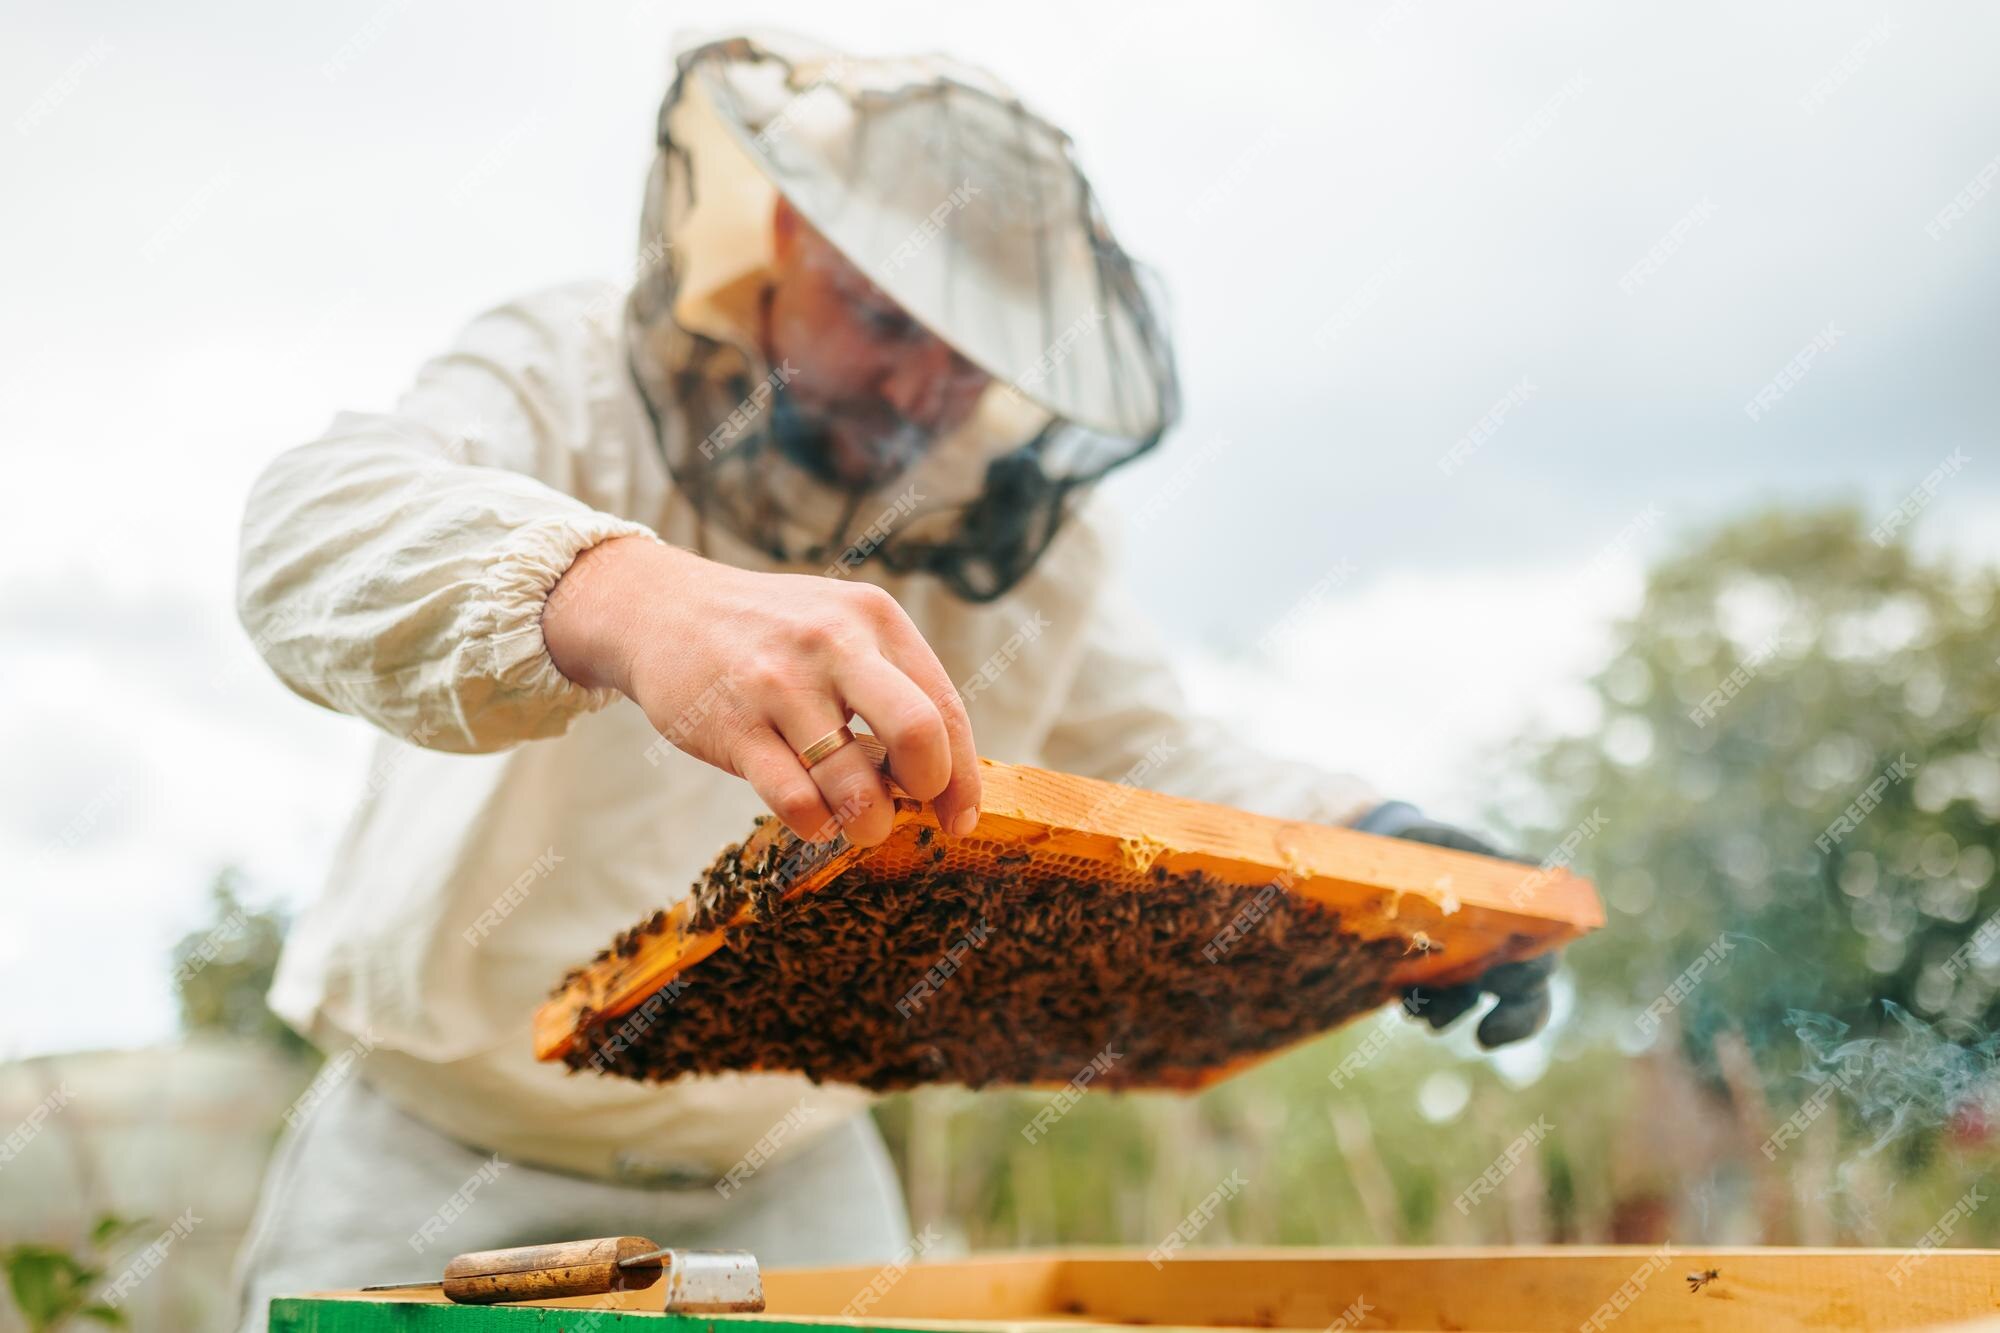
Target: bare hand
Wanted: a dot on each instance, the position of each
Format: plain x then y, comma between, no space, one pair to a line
744,670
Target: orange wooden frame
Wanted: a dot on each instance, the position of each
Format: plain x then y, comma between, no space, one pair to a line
1462,912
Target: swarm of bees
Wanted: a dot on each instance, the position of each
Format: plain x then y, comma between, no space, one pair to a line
979,964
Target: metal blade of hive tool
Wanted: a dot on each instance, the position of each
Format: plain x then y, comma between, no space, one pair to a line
708,1281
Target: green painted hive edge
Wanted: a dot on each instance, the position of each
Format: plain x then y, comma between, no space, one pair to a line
293,1314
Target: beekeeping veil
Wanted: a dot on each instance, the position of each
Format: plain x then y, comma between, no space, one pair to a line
964,208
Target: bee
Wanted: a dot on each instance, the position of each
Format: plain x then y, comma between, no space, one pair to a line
1696,1281
1420,943
925,835
1013,858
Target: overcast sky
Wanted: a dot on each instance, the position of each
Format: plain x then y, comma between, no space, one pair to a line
1377,223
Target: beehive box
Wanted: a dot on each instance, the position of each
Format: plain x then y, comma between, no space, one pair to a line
1083,930
1632,1289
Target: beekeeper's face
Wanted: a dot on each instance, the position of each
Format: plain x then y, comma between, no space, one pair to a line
870,388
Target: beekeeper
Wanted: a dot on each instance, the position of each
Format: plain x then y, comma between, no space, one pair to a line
612,577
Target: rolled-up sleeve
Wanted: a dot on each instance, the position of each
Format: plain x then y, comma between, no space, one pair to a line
397,567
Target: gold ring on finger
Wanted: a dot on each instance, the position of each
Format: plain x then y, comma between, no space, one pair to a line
824,746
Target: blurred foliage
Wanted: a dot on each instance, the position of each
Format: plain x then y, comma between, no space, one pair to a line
1853,659
223,970
1842,657
52,1286
1382,1160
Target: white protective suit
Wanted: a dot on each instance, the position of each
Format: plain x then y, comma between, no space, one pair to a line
396,569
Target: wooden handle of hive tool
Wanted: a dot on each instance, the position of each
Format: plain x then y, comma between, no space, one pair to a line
541,1272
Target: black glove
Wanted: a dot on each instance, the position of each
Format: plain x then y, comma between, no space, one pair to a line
1521,990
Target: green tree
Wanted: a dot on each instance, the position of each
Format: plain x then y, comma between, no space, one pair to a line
223,970
1798,756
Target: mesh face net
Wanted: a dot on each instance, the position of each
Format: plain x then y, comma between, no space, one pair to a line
965,211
